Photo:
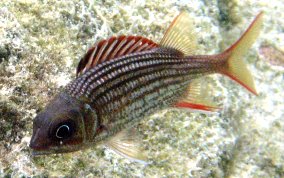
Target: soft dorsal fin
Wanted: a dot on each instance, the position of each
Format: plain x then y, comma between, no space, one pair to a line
112,48
180,35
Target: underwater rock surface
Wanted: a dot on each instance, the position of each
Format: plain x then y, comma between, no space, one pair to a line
41,43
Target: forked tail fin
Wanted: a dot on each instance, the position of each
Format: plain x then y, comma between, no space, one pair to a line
235,67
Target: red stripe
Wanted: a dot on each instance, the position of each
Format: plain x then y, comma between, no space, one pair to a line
184,104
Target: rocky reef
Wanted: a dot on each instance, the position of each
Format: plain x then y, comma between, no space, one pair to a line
41,43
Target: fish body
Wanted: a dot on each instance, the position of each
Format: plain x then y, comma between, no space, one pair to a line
126,90
121,80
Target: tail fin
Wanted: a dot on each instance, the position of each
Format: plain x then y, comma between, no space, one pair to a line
235,67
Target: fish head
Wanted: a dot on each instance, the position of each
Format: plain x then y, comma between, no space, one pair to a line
59,128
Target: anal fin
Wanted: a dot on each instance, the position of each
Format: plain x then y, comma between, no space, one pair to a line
195,106
197,98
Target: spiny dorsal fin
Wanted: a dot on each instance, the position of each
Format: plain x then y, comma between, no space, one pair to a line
180,35
112,48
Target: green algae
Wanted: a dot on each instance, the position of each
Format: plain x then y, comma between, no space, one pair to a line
10,125
4,53
42,41
227,13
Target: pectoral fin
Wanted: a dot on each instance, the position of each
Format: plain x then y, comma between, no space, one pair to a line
126,143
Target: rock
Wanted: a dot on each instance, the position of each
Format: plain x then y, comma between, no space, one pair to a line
42,41
4,53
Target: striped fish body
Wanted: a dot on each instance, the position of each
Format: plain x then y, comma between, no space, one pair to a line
125,90
122,79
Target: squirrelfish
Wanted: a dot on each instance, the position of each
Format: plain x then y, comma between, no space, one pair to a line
123,79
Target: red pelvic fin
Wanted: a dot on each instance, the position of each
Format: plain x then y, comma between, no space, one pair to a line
113,48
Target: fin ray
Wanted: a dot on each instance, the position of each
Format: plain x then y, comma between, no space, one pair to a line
126,143
197,97
112,48
180,35
235,67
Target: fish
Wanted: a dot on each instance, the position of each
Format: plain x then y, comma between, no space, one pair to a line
123,79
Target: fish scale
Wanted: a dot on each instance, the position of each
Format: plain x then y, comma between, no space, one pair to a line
139,93
90,87
116,66
127,83
117,81
125,119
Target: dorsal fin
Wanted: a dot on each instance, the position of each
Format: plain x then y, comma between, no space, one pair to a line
112,48
180,35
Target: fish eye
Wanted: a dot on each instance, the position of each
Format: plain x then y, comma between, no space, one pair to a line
64,130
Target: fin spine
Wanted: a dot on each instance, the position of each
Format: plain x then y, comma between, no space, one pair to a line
112,48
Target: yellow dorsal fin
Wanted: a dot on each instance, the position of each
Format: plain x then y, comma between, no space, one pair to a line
180,35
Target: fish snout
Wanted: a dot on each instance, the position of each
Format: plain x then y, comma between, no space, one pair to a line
39,141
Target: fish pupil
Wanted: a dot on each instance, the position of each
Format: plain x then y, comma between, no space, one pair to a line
64,130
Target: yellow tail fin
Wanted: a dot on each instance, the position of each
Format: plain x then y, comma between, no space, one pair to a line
235,67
